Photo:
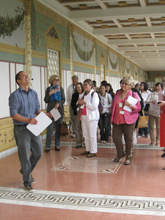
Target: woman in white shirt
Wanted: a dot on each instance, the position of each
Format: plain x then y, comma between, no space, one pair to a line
104,122
154,113
89,118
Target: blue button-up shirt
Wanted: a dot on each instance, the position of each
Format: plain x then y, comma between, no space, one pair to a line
24,103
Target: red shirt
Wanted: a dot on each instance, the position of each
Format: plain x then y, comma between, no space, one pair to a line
118,117
84,111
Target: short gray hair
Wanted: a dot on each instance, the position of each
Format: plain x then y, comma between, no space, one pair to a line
129,80
75,77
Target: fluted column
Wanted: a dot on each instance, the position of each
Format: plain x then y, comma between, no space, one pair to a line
94,55
28,50
71,50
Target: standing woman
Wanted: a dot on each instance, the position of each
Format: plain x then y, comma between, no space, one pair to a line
89,118
106,101
144,93
55,98
109,90
77,95
124,121
154,113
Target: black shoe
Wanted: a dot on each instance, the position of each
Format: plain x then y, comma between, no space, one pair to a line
47,150
29,188
118,158
57,149
78,146
163,155
33,180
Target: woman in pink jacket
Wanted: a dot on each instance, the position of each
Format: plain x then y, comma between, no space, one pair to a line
123,120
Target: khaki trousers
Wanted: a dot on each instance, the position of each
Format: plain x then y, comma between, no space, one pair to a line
127,130
153,119
72,119
79,136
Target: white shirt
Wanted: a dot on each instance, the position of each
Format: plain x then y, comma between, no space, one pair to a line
106,101
70,92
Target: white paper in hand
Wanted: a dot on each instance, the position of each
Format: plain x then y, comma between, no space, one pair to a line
55,113
131,100
43,122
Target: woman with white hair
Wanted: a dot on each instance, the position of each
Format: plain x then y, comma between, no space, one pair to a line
89,118
124,121
55,98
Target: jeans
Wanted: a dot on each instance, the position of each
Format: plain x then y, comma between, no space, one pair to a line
104,126
50,132
144,131
27,142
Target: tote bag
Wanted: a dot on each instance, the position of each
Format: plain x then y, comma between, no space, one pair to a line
143,121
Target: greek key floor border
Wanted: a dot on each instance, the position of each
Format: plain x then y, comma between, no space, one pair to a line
109,145
84,202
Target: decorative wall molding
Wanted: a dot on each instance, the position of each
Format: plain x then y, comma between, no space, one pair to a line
10,24
84,51
50,13
76,63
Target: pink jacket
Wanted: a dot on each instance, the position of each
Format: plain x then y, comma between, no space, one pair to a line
130,117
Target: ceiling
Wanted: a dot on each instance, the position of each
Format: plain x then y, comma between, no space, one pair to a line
134,28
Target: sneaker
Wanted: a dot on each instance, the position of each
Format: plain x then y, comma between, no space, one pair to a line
47,150
29,188
33,180
73,135
139,136
57,149
127,162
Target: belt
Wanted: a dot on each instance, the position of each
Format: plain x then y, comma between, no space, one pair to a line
24,125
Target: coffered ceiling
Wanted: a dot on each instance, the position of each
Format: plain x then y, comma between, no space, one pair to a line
134,28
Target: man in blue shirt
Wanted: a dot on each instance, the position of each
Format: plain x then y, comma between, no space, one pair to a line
24,105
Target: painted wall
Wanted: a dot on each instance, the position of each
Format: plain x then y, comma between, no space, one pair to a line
86,62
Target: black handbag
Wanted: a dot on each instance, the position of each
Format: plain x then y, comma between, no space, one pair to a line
146,107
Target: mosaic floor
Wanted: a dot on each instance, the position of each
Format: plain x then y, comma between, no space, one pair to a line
90,165
86,202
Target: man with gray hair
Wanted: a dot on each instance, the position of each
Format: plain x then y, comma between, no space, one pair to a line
70,91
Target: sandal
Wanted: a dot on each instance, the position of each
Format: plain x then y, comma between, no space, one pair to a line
85,153
91,155
118,158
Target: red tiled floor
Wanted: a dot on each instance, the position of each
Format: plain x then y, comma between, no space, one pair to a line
16,212
144,177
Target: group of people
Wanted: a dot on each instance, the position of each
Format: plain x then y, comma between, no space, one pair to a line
84,101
